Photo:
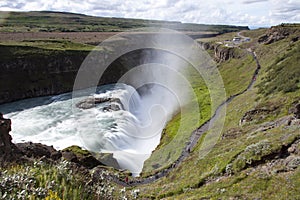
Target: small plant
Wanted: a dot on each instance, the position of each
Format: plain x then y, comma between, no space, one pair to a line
228,169
253,152
59,181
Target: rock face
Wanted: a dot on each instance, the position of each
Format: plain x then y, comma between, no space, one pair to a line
297,111
82,157
277,33
31,72
37,150
254,115
224,53
221,53
8,151
27,72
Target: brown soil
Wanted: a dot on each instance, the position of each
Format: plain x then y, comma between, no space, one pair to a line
80,37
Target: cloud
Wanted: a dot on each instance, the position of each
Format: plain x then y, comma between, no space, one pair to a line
287,12
253,1
245,12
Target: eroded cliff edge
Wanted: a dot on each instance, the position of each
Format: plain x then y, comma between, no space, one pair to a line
31,72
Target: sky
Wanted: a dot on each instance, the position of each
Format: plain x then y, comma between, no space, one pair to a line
253,13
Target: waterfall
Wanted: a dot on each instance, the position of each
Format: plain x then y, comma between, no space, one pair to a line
131,133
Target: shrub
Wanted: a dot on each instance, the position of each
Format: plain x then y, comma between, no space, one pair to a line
253,152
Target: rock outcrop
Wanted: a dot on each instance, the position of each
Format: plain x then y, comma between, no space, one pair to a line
82,157
8,151
24,152
224,53
221,53
277,33
37,150
258,114
27,72
297,111
114,104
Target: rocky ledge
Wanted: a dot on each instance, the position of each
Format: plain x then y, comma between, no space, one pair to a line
277,33
26,152
221,52
113,104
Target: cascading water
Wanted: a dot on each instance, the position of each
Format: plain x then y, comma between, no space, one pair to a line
150,92
130,133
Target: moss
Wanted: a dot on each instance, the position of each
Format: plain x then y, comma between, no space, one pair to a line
78,151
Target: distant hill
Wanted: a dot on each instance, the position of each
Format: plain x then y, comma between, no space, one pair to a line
48,21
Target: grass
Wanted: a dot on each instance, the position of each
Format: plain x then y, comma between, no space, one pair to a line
178,131
231,159
47,21
283,74
235,167
50,44
42,181
244,66
60,181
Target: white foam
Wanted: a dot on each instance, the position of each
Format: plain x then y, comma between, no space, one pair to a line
130,134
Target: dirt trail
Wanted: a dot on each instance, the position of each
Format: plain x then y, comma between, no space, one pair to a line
193,139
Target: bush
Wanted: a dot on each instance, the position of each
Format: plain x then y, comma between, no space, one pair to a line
253,152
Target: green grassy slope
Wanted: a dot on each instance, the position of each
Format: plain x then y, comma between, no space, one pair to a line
47,21
249,161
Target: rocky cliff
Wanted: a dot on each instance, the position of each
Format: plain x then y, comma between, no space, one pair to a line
8,151
28,72
26,152
277,33
221,52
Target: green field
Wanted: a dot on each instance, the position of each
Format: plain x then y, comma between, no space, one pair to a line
47,21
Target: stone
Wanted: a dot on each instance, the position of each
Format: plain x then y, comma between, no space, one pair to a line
114,104
70,156
297,111
38,150
82,157
8,151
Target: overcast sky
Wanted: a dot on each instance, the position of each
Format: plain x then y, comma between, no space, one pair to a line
237,12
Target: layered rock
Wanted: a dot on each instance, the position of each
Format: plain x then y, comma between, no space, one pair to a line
277,33
221,53
27,72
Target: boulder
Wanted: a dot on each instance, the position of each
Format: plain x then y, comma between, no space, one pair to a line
254,115
108,160
82,157
113,104
297,111
38,150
